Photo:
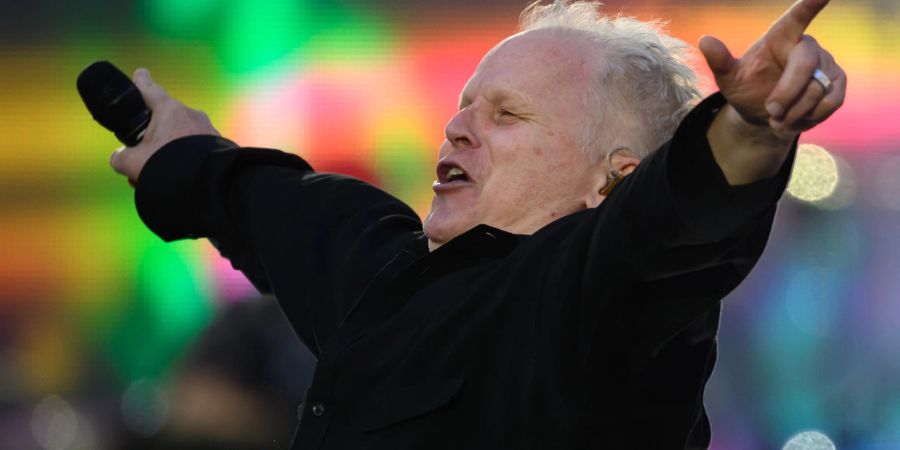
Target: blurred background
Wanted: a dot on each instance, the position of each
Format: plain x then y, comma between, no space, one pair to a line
111,339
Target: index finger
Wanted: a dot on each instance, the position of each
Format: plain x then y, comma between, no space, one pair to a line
793,23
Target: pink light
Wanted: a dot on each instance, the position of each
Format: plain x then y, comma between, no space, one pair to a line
231,285
869,119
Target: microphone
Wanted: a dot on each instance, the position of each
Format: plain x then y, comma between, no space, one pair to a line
114,101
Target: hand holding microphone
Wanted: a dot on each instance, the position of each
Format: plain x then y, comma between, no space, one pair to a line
143,128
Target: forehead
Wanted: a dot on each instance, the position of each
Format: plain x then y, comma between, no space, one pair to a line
537,65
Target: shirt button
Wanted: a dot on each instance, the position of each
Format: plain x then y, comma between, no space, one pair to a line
318,410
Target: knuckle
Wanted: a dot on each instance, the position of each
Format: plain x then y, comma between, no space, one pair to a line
842,76
200,115
836,102
157,90
157,93
839,102
168,104
807,53
809,62
830,104
201,119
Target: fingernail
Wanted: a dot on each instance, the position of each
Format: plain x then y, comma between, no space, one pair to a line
774,109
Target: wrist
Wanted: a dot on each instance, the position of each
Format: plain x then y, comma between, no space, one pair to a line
746,152
759,133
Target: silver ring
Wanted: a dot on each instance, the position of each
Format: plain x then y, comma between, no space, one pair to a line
822,79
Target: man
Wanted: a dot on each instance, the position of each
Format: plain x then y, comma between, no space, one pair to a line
545,302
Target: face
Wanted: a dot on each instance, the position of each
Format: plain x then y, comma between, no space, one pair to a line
511,158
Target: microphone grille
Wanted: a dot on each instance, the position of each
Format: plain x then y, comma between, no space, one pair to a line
113,100
100,84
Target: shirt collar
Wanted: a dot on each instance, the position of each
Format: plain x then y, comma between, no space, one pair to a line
481,240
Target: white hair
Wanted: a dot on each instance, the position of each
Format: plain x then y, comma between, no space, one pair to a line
644,84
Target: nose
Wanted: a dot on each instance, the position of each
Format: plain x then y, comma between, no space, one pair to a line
460,130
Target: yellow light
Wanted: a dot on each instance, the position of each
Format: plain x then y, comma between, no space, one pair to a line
815,175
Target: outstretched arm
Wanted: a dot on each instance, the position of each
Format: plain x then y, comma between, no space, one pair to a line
315,240
772,95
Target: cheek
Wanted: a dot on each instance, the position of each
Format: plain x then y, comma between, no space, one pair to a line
512,185
536,176
530,166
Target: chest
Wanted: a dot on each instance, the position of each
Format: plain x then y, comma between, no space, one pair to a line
449,325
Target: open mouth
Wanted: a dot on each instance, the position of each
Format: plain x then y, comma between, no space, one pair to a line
450,174
456,174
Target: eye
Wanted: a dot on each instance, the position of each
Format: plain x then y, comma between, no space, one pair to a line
506,113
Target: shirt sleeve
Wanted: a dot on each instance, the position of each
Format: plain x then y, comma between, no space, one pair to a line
669,242
656,259
313,239
707,205
681,191
678,213
693,236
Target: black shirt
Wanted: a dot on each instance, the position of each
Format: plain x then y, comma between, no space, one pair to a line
597,331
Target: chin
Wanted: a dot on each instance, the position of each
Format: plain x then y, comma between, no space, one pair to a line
434,231
441,228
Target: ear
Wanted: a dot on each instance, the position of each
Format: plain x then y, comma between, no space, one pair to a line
622,161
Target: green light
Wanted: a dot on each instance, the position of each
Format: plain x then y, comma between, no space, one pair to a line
180,18
257,33
253,35
352,36
168,308
170,281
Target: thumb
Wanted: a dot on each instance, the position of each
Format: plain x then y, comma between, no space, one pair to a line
154,95
122,162
718,57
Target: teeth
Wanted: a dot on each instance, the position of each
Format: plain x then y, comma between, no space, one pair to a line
454,172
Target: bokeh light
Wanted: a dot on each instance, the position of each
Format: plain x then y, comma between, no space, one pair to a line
54,423
145,406
809,440
815,175
847,188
